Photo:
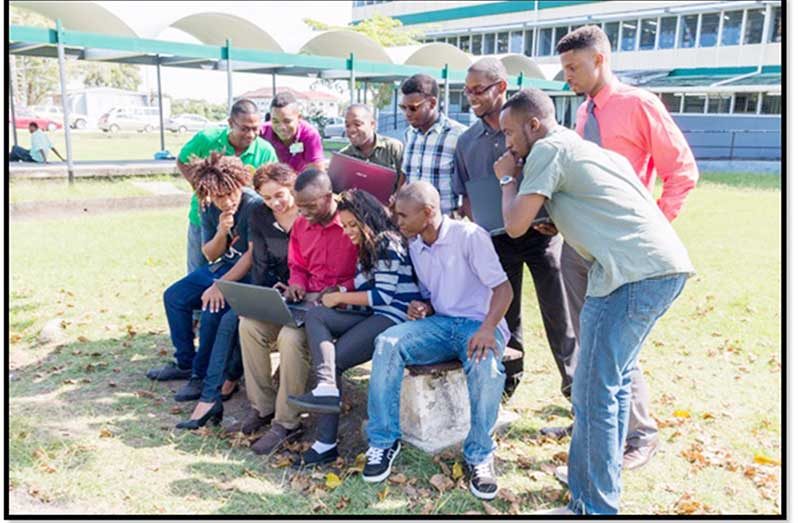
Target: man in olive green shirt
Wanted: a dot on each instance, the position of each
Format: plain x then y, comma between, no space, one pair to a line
239,139
366,144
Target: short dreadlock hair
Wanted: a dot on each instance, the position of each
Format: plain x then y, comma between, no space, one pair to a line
217,175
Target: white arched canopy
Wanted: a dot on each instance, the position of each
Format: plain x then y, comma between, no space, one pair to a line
436,54
81,16
339,43
518,63
215,28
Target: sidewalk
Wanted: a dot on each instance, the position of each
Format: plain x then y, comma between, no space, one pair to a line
89,169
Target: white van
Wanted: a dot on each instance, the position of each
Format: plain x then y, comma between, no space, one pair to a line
130,118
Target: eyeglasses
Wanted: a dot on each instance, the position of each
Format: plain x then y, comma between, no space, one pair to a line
479,91
412,108
255,129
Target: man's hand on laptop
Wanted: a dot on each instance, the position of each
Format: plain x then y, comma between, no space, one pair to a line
212,299
292,293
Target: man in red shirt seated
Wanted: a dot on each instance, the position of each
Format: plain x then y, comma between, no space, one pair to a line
321,258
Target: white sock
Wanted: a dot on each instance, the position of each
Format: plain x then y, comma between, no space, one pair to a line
325,390
321,448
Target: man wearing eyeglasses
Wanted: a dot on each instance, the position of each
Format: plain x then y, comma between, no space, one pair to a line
430,140
477,149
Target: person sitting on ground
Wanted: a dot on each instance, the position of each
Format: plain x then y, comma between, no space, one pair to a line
266,260
40,145
457,267
341,338
296,142
221,184
639,267
366,144
321,259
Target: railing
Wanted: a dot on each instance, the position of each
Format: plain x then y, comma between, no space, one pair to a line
735,144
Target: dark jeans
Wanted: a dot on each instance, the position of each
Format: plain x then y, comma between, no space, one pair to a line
180,299
541,254
642,429
222,361
355,345
20,154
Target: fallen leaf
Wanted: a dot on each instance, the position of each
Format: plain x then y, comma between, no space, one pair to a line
428,507
69,382
383,494
106,433
411,491
83,339
398,479
359,465
561,457
681,413
457,471
490,509
342,503
508,496
332,480
176,410
318,505
524,462
763,459
445,468
15,338
441,482
144,394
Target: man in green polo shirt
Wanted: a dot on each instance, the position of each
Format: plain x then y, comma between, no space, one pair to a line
366,144
240,139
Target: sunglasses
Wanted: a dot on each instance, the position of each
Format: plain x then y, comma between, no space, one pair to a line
479,91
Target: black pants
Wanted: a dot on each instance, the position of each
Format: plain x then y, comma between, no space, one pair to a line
541,254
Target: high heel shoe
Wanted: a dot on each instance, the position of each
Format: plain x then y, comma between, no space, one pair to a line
214,415
229,395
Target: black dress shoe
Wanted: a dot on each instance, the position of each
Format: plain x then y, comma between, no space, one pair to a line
311,457
191,391
214,415
557,432
229,395
168,372
322,404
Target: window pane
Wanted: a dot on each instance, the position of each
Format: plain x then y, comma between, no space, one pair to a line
719,104
709,29
611,28
671,101
648,33
476,44
628,35
732,27
516,41
559,33
688,30
464,43
745,102
667,32
771,104
452,40
754,24
544,41
489,43
694,103
502,42
775,25
529,39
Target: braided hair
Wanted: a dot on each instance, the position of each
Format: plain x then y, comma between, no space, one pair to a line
374,220
217,175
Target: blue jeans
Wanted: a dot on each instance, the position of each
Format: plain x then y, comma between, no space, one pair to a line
424,342
20,154
613,329
222,351
194,257
180,299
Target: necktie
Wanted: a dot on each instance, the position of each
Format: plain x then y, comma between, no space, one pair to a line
591,131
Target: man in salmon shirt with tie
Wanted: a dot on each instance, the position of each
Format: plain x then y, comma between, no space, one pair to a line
633,123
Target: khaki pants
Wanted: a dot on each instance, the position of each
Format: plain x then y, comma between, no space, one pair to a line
258,340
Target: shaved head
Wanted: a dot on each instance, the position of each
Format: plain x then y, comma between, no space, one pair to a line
361,110
422,193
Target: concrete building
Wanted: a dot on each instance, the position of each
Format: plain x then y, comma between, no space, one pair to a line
310,101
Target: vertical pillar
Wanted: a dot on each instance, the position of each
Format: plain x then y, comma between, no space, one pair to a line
395,107
11,81
366,92
64,105
229,76
446,89
160,98
274,84
351,64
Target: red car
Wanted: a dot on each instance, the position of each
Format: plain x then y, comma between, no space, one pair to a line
24,116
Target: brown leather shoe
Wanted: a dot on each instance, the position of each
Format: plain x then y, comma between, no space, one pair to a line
275,438
251,423
636,457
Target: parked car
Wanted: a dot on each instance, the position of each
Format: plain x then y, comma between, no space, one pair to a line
335,128
187,122
130,118
76,120
24,116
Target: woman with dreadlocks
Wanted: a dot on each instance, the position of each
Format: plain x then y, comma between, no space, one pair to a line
221,184
384,286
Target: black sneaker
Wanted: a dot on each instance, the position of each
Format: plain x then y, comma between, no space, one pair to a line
482,480
169,372
379,461
311,457
311,403
191,391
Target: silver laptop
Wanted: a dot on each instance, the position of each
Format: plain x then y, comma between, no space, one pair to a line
486,203
262,303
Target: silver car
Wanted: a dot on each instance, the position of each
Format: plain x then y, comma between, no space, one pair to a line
187,122
335,128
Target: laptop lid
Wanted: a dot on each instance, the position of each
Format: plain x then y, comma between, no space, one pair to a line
485,196
347,172
260,303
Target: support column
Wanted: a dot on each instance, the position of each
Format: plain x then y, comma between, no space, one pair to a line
366,92
274,84
446,90
160,98
64,105
351,65
12,70
395,107
229,77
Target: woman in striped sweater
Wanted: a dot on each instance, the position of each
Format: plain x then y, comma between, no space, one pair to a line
342,330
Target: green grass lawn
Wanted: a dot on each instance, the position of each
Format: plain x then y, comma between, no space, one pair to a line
26,190
89,433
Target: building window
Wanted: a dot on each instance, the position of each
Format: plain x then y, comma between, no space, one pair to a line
687,31
709,29
611,28
667,32
719,103
559,33
648,33
754,24
476,44
516,41
745,103
771,103
694,103
489,43
529,40
544,42
672,102
502,42
452,40
732,27
464,43
775,25
628,35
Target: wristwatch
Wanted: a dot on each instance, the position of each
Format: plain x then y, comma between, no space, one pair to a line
504,180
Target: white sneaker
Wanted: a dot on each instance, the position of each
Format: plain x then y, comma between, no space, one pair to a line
561,473
561,511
